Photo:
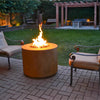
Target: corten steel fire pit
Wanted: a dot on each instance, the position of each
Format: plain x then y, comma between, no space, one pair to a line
39,62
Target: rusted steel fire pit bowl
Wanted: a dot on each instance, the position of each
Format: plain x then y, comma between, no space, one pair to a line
39,62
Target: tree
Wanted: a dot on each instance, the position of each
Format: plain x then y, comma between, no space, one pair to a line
47,9
26,7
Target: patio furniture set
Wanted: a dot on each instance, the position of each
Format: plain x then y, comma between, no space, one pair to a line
77,23
78,60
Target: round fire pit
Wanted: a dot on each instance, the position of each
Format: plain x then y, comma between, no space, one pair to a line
39,62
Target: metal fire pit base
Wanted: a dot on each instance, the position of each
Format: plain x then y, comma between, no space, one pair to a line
39,62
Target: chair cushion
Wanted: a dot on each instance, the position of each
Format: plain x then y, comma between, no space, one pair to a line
99,56
86,62
3,42
10,50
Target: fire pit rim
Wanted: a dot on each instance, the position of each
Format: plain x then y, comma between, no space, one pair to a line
30,48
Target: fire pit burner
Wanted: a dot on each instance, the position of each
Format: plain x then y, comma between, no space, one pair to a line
39,62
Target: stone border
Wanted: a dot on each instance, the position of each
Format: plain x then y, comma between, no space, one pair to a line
27,26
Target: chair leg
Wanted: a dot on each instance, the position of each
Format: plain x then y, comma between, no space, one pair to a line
9,63
71,75
75,69
99,76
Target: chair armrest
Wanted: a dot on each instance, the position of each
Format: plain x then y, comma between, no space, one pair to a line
77,47
85,54
71,56
19,41
71,59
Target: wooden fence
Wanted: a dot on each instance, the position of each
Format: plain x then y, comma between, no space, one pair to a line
6,29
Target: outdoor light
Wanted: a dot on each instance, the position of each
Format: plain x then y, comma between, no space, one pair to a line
88,20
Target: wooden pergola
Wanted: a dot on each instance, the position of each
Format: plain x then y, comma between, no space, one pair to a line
74,4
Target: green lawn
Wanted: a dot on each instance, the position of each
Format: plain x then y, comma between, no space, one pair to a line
66,39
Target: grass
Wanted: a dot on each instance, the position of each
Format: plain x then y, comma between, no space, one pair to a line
66,40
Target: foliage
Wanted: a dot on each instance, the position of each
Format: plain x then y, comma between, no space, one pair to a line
65,39
24,7
77,0
47,9
17,6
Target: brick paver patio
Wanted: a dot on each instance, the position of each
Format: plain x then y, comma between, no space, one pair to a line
14,85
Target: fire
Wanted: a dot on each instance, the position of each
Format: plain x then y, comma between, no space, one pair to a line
39,42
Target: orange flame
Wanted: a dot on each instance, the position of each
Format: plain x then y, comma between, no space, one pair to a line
39,42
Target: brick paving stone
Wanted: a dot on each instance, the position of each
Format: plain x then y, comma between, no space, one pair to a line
24,91
89,98
94,95
82,89
2,90
55,83
41,92
6,96
31,88
64,88
77,87
69,89
90,84
26,99
15,96
48,85
34,92
53,93
98,97
48,91
58,97
72,97
47,97
41,99
64,98
27,86
79,97
41,88
78,92
21,97
32,97
11,91
14,85
60,84
64,93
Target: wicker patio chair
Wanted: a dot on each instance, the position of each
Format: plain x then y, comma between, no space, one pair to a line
8,50
81,60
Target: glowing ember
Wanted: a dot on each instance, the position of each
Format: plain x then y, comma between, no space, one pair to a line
39,42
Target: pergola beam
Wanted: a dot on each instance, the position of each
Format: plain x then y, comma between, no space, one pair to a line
79,4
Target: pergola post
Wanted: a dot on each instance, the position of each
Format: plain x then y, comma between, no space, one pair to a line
65,15
99,17
57,15
62,15
95,14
